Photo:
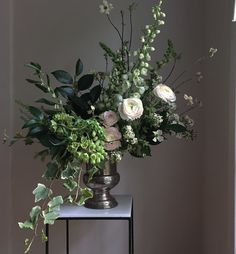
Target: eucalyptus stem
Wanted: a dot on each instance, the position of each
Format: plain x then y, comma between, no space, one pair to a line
131,27
182,83
109,19
171,71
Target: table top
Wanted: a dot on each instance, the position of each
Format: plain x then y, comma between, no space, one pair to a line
122,210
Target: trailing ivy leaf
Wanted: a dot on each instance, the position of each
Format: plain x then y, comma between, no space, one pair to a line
92,171
52,171
50,217
41,192
70,184
26,225
65,91
85,195
79,67
178,128
34,215
63,77
68,172
45,101
54,204
85,82
44,238
95,93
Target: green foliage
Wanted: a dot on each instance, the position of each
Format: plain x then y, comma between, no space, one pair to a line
41,192
78,67
85,82
63,77
85,195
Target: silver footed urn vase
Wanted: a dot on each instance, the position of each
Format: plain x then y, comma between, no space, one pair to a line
101,184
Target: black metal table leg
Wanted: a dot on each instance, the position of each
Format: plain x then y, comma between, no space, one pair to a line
47,242
132,230
67,236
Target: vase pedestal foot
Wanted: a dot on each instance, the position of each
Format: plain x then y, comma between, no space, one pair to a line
101,201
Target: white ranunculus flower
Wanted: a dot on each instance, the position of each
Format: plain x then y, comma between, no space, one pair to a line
109,118
131,109
165,93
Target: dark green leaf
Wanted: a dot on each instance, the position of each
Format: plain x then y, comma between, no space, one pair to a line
36,112
45,101
51,172
36,132
95,93
34,66
85,82
43,88
31,123
79,67
63,77
31,81
65,91
178,128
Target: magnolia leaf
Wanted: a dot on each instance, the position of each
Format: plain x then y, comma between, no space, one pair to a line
65,91
95,93
63,77
41,192
85,195
85,82
50,217
51,171
54,204
79,67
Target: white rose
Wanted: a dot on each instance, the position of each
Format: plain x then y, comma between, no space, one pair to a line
165,93
109,118
113,137
131,109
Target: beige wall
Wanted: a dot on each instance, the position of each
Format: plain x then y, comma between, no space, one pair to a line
178,206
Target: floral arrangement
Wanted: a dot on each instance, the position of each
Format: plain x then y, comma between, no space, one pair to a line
101,115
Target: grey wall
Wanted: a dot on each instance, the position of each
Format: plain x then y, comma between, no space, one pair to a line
180,193
218,174
5,116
